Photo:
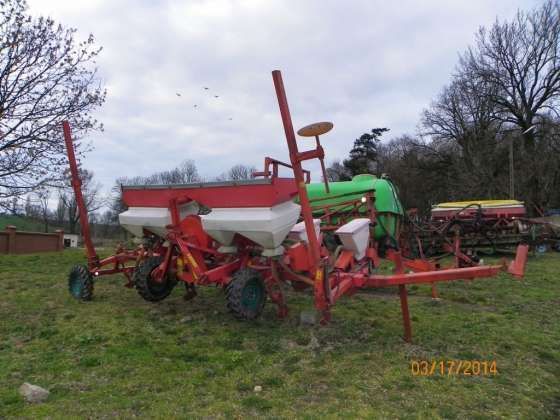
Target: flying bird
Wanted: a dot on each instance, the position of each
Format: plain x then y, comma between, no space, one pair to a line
177,93
230,118
216,96
195,106
205,88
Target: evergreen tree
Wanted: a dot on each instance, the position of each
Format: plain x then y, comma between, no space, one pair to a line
363,156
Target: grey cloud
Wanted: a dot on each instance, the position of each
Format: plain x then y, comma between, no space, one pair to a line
359,64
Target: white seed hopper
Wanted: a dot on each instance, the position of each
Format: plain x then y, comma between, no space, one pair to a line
355,236
298,232
153,219
266,226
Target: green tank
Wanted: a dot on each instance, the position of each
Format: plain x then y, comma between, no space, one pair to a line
387,205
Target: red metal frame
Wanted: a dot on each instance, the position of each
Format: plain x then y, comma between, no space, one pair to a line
267,173
194,257
76,182
341,281
95,265
314,255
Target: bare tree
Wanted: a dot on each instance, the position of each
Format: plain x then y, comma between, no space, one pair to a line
92,199
30,208
117,206
107,222
521,60
45,77
42,197
237,172
93,223
464,115
224,176
240,172
189,172
185,173
424,172
13,206
463,111
60,213
336,171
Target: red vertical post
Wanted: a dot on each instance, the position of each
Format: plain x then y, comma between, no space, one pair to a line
434,292
405,313
403,294
517,266
296,165
313,244
93,259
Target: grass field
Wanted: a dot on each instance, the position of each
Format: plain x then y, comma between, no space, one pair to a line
119,356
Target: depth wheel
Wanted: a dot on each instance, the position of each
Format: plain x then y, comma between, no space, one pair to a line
80,283
246,294
147,287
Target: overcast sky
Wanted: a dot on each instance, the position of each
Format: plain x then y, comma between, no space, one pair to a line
359,64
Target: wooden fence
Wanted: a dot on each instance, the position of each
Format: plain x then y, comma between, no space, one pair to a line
14,242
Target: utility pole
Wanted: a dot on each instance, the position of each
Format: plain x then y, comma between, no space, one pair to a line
511,174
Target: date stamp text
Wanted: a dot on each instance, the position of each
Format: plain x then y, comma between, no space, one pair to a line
454,367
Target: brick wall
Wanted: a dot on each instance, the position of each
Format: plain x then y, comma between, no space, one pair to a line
14,242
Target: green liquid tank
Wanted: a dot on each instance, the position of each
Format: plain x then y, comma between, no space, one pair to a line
387,204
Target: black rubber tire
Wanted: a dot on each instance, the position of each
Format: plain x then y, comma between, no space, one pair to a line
246,282
148,288
80,283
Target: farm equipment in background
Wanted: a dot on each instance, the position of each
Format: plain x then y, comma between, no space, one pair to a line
544,231
251,244
487,226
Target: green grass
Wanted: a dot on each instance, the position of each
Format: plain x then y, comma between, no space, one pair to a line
119,356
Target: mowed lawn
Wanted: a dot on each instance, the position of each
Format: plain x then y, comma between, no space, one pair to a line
119,356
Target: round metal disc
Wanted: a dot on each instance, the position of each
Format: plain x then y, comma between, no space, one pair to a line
315,129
